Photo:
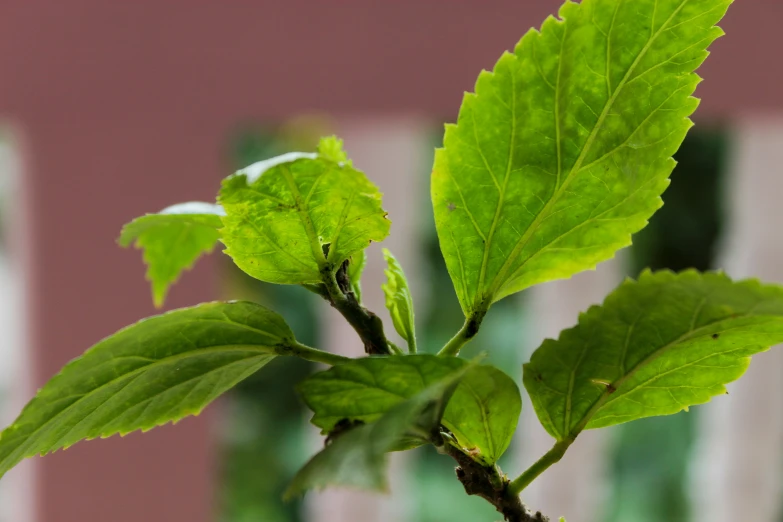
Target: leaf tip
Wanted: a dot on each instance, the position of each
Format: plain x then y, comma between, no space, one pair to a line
331,148
123,240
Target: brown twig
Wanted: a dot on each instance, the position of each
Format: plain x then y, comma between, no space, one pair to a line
488,483
336,289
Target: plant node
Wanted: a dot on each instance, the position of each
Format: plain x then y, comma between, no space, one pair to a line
488,483
337,290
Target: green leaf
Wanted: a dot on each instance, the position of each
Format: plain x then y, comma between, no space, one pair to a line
565,148
655,347
331,148
158,370
399,301
357,458
482,414
355,270
173,240
285,212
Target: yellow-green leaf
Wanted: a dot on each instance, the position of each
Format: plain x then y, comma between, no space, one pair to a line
173,239
284,214
565,147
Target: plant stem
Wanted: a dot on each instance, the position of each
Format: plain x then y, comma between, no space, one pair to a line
368,325
530,474
395,349
302,351
489,483
465,334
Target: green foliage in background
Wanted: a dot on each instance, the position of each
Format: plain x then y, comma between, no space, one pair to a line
557,158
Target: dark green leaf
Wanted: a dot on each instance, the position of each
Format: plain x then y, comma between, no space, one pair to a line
366,388
482,414
283,213
655,347
399,301
173,240
156,371
357,458
565,148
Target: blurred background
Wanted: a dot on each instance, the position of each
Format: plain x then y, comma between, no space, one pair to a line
109,110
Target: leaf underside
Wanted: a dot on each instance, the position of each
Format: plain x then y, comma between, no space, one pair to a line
283,212
158,370
655,347
482,413
173,240
357,458
564,149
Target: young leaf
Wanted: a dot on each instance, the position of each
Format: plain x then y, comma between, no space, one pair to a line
357,458
173,239
655,347
399,301
156,371
482,413
565,148
355,270
285,213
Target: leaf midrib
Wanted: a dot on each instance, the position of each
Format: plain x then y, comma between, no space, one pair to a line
149,400
645,384
501,277
502,191
132,374
261,232
583,354
333,248
484,420
611,391
302,207
171,272
133,230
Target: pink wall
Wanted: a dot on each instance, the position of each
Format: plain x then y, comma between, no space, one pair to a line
214,62
125,106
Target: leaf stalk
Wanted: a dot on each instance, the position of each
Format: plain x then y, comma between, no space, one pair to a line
302,351
551,457
468,331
